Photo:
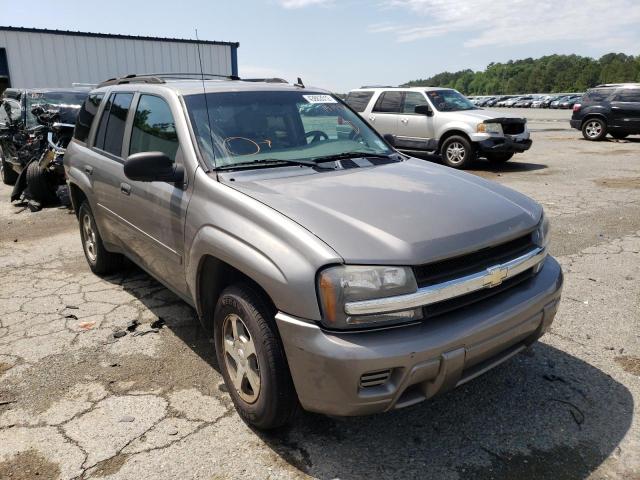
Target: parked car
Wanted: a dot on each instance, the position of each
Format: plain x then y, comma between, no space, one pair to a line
523,102
23,138
495,100
325,264
610,108
556,103
569,102
546,103
428,119
511,102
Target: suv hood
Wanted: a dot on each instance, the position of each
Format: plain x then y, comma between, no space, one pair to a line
476,116
405,213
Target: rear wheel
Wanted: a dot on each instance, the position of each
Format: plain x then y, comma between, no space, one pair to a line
100,260
9,176
457,152
594,129
40,185
252,359
499,157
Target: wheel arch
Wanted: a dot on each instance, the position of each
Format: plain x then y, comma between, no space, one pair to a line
452,133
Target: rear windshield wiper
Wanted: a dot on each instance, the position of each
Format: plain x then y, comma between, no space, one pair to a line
347,155
272,161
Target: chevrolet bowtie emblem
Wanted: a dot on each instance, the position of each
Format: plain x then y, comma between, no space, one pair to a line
495,276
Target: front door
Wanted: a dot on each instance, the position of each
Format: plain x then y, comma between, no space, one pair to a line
156,211
415,131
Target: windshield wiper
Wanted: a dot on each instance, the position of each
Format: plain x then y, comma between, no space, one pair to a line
348,155
265,161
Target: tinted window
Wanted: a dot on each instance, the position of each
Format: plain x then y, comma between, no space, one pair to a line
596,96
86,115
412,100
389,102
154,129
111,128
628,95
359,100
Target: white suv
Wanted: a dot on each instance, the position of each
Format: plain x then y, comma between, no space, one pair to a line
427,119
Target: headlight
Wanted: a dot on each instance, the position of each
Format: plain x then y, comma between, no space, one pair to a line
490,127
348,283
541,235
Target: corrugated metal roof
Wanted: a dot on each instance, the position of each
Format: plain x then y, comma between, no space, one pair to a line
112,35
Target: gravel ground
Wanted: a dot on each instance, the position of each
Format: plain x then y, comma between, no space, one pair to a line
75,402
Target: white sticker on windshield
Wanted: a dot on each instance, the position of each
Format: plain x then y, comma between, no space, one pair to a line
319,99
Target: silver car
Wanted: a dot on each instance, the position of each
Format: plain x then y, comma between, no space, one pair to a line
442,120
334,273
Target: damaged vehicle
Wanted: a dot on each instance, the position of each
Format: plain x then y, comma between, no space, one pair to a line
333,272
441,120
35,127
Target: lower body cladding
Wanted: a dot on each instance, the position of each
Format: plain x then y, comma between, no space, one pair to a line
506,144
361,373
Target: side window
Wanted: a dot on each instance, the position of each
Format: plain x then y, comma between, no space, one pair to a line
358,100
86,116
628,95
412,100
10,111
111,128
154,129
389,102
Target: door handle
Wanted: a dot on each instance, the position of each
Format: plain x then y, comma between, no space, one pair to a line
125,188
372,118
404,120
88,169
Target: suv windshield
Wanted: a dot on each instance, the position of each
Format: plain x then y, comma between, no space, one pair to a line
56,99
449,101
262,127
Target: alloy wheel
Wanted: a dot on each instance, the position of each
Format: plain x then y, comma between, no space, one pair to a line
240,358
593,129
90,244
455,152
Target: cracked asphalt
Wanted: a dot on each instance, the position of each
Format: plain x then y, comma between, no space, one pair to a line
76,402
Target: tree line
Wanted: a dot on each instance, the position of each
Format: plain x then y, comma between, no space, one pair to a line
552,73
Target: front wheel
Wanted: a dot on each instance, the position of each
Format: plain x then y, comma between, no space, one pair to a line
457,152
252,359
594,129
499,157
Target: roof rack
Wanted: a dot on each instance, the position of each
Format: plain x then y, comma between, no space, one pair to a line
265,80
161,77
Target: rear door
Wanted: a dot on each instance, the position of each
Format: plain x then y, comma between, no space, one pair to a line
156,211
625,109
415,131
384,116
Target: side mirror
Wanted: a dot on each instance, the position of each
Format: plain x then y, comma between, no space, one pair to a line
153,167
390,139
423,110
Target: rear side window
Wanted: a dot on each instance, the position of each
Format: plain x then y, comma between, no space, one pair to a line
154,129
359,100
389,102
628,95
86,115
412,100
111,127
595,96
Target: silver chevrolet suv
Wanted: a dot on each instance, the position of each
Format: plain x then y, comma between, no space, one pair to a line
334,273
428,119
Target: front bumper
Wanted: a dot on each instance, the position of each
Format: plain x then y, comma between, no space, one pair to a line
422,360
504,144
577,124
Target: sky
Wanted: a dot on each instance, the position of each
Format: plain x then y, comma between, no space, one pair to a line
343,44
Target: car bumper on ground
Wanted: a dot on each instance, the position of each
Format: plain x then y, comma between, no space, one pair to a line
504,144
577,124
362,373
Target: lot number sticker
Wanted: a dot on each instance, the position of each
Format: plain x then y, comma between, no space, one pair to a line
319,99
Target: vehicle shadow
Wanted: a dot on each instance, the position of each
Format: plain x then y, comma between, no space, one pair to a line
482,165
543,414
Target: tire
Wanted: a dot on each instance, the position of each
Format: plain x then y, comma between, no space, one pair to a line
499,157
619,136
252,359
9,175
39,185
457,152
101,262
594,129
